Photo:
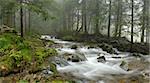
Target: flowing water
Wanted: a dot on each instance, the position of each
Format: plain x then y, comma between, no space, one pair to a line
92,71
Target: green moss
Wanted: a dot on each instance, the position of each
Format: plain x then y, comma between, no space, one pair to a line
43,53
53,68
22,81
34,42
50,43
20,53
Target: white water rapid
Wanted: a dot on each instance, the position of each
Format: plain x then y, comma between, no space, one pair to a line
92,69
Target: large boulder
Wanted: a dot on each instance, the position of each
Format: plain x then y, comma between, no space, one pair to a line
92,46
75,57
124,65
59,61
101,59
74,47
107,48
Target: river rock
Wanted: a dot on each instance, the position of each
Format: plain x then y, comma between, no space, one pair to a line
47,72
101,59
75,57
92,46
124,65
116,57
66,56
78,57
107,48
74,47
59,61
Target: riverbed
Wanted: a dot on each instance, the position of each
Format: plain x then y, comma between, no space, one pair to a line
136,69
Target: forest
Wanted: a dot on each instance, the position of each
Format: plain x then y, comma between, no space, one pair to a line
74,41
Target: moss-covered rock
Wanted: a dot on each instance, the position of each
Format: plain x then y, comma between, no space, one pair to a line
53,68
107,48
75,57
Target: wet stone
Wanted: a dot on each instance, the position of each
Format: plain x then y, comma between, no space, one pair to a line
74,47
101,59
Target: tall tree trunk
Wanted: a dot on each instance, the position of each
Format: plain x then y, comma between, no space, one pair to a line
97,18
21,19
82,20
28,18
147,21
120,20
89,24
25,21
1,17
85,23
143,23
64,21
132,25
72,21
118,17
14,20
78,19
109,19
84,17
8,18
82,24
29,21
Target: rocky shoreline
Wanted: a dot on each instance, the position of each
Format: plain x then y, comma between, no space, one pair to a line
122,44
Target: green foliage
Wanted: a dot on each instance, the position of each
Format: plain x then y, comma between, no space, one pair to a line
50,43
53,68
8,7
4,43
19,53
22,81
11,6
42,53
37,8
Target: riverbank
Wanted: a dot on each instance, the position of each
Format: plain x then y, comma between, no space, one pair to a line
122,44
25,60
92,64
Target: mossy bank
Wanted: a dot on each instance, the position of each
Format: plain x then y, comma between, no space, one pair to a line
24,56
